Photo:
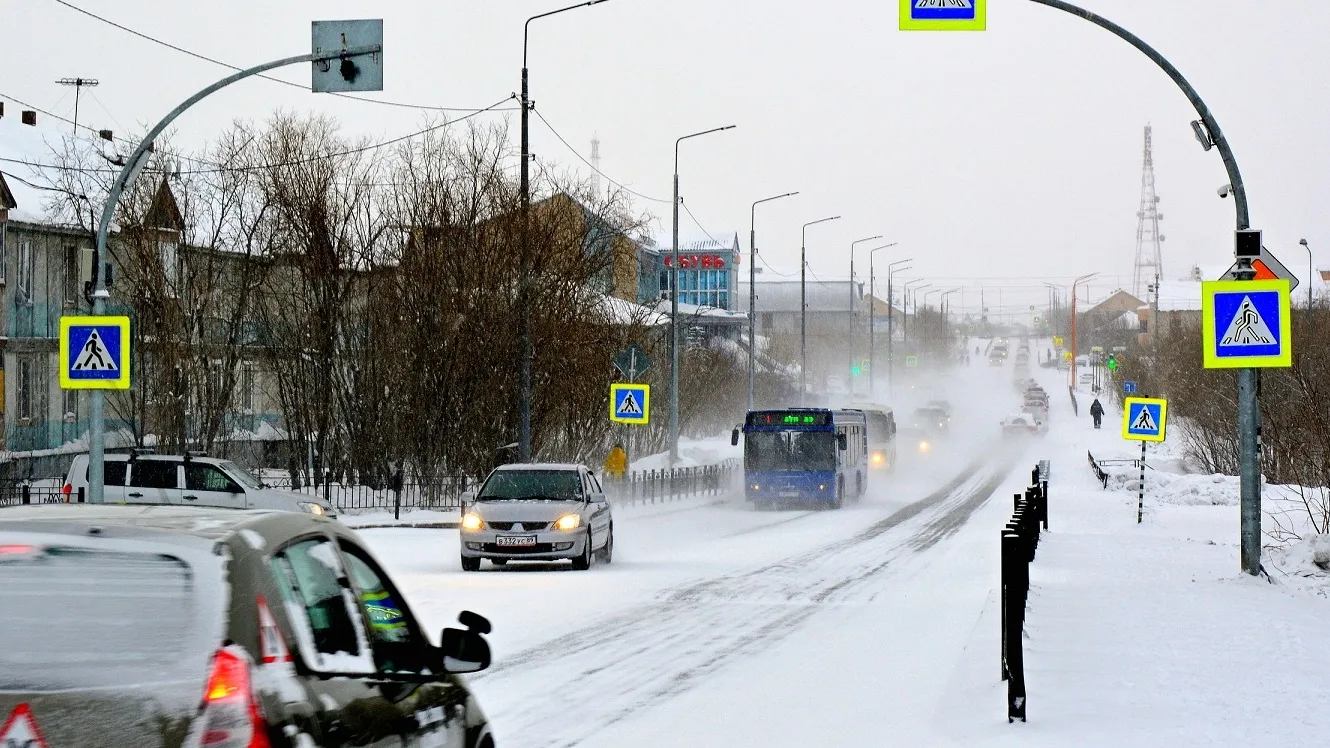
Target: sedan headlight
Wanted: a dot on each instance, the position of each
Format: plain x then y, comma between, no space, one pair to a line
924,446
315,509
472,522
568,522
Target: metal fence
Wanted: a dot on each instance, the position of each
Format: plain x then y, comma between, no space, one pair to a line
1020,540
396,495
653,486
25,493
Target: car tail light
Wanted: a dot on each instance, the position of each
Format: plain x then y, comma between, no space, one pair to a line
231,717
15,549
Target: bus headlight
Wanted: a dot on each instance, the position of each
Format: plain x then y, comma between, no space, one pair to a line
878,459
925,446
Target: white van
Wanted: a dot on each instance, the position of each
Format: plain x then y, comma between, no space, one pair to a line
191,479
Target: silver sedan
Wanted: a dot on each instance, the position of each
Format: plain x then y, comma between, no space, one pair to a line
537,512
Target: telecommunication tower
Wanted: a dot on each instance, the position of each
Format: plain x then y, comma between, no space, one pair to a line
1149,256
595,166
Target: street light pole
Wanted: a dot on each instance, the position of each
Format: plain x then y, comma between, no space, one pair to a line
1311,274
853,244
905,309
1074,350
752,291
803,306
674,302
872,313
524,285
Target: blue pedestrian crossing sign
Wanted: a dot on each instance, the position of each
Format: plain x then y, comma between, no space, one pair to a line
943,15
630,403
94,353
1246,324
1129,388
911,362
1144,418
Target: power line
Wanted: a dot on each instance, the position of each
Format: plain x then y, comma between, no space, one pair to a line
216,168
228,65
697,223
607,177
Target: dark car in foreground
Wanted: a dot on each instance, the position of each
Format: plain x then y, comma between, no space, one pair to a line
170,626
538,512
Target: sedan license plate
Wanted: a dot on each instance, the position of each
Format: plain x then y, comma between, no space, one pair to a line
515,540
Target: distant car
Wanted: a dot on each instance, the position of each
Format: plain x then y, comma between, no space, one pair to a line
931,419
186,626
914,441
537,512
942,405
191,479
1020,423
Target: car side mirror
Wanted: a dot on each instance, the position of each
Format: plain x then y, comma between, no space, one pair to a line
734,438
466,651
468,498
842,442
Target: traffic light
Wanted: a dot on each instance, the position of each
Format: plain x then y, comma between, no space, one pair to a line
1112,362
854,370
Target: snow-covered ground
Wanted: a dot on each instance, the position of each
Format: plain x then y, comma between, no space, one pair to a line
692,453
878,624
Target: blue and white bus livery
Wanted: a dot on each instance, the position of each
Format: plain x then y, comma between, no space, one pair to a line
804,454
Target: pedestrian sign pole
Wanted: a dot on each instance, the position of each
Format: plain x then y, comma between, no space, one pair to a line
1144,419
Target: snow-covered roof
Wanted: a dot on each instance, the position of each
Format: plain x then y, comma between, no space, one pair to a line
694,310
623,312
783,296
1179,295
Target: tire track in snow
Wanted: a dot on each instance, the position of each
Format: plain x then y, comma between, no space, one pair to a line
607,671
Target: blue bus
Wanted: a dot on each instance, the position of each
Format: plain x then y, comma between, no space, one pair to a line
804,454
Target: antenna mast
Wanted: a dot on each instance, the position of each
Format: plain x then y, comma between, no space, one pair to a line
595,165
1149,255
78,84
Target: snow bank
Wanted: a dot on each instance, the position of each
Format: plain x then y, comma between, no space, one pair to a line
693,453
1306,564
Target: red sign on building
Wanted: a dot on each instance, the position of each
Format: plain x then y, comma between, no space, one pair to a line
689,262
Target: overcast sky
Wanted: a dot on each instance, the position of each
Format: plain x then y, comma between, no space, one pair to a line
1010,154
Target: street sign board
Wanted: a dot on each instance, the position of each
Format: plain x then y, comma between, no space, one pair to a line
1144,418
1129,388
943,15
1057,343
911,362
94,353
1267,267
1246,324
632,361
359,73
630,403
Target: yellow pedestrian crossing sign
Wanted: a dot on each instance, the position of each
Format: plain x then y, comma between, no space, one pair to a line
1246,324
1144,418
94,353
630,403
942,15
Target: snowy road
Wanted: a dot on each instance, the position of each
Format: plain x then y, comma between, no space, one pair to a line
703,595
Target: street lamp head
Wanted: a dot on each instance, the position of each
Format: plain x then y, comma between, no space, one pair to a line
1303,242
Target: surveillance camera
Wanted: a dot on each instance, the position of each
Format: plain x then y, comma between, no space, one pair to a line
1224,190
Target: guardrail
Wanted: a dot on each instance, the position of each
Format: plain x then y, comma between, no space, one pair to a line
1020,540
25,493
652,486
1099,472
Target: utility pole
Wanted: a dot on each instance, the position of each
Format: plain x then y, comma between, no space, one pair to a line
752,292
872,336
78,84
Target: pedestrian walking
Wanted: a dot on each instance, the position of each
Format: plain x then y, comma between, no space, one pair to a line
616,462
1097,412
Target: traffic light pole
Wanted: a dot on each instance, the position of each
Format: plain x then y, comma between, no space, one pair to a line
1249,416
133,165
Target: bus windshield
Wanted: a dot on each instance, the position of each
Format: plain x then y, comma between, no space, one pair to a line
879,427
790,450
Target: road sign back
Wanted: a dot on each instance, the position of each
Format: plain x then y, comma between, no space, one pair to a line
1144,419
1246,324
1267,267
630,403
632,361
94,353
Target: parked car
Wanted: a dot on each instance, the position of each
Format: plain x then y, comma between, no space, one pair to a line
180,626
191,479
537,512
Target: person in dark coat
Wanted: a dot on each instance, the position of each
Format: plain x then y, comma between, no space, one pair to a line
1096,412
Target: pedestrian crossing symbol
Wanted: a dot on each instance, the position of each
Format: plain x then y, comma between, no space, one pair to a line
94,353
943,15
1143,419
630,403
1247,324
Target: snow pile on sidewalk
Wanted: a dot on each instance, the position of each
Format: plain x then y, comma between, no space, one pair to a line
692,453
